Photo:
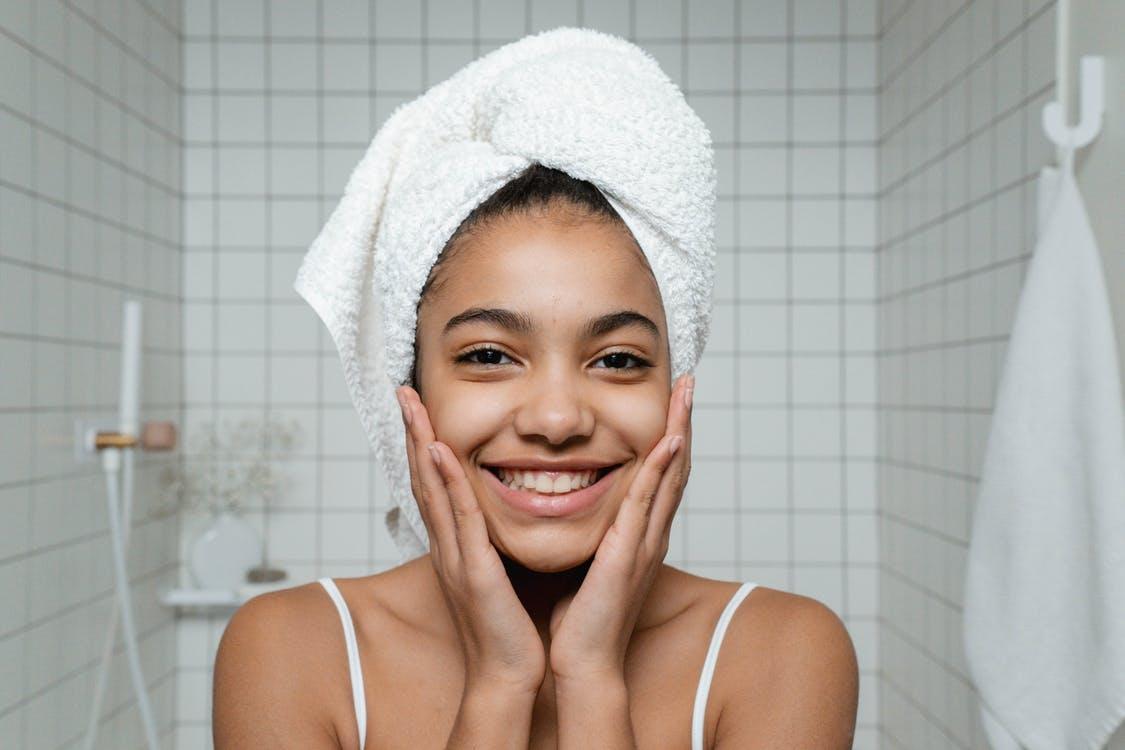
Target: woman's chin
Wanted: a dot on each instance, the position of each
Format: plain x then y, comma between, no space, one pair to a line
546,556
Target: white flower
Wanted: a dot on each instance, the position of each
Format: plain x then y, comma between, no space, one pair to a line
224,467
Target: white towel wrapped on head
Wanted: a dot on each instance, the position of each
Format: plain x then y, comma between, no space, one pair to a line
588,103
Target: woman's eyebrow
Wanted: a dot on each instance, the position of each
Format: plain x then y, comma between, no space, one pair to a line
521,323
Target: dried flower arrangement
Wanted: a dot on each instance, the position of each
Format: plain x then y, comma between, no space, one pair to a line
226,464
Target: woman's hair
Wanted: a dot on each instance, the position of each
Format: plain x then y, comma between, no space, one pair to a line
537,187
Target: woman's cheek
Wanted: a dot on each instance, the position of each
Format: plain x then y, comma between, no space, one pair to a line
640,416
463,422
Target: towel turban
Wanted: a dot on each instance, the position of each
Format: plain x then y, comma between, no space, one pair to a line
585,102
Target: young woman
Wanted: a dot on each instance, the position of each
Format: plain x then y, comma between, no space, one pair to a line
548,453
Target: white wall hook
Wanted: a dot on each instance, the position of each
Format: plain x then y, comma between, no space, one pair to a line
1092,102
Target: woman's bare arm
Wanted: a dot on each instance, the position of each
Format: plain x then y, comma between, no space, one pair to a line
499,719
804,690
595,714
265,691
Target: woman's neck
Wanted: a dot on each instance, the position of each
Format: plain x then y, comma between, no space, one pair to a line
670,595
540,592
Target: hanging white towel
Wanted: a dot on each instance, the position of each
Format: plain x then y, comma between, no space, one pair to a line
1044,617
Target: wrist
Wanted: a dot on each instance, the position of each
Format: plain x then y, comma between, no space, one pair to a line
493,694
593,711
492,716
599,682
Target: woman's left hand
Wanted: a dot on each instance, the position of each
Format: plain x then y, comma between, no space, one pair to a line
591,629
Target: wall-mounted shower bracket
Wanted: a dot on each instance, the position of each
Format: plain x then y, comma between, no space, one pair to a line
86,437
93,435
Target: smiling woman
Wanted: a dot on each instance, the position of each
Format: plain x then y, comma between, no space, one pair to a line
542,346
546,426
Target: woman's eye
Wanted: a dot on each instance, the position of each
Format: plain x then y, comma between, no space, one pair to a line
490,357
620,361
483,356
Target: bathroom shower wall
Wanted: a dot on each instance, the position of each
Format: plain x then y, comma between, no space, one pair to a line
962,89
89,215
282,98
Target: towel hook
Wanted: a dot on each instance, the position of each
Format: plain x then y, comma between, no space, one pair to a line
1092,102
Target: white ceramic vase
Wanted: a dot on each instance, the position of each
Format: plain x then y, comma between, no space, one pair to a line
224,551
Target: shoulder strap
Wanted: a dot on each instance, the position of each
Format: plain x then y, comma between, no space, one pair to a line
709,664
354,670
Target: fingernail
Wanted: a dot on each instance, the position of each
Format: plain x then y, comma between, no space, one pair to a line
688,391
435,454
405,409
674,445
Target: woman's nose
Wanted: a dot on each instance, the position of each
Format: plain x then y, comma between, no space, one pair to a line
555,408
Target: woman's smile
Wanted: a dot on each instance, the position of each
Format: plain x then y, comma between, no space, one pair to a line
569,492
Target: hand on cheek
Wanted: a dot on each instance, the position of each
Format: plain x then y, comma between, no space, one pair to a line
501,644
591,630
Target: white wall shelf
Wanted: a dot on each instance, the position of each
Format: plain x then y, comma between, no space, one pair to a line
216,598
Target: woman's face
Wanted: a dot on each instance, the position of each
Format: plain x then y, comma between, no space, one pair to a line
524,357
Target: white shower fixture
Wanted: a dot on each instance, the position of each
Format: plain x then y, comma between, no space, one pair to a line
116,450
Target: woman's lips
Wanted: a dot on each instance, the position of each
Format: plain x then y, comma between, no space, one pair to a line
552,506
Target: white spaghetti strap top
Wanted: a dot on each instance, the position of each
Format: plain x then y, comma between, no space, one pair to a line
709,664
354,669
356,674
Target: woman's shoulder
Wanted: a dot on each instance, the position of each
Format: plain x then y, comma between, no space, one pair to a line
300,613
682,592
309,611
767,622
785,658
295,620
777,628
765,609
277,669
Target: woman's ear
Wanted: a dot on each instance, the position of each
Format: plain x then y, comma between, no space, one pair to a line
414,371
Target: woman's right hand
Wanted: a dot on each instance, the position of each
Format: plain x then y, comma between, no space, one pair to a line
501,644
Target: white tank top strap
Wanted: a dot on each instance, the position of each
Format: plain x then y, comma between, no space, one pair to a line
709,664
354,670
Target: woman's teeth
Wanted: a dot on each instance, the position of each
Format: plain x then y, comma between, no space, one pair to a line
542,482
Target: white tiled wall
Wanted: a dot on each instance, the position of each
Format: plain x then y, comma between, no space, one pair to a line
962,86
823,111
90,189
281,99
